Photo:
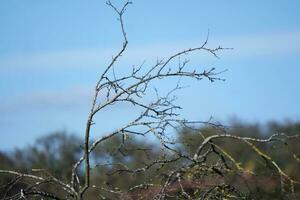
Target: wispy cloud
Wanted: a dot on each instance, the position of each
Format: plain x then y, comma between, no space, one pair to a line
73,97
54,60
279,43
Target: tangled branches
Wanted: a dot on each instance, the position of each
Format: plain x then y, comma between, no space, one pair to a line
165,171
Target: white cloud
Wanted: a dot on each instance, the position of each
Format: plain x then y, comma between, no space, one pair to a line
266,44
76,96
59,59
280,43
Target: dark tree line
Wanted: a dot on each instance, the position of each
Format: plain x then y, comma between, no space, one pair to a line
52,155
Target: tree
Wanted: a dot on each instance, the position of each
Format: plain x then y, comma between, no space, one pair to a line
167,172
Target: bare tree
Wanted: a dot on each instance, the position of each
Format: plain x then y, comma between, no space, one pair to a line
155,119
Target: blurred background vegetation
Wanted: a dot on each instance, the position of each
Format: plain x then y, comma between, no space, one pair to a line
54,154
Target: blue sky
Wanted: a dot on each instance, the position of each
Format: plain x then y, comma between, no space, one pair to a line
51,53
